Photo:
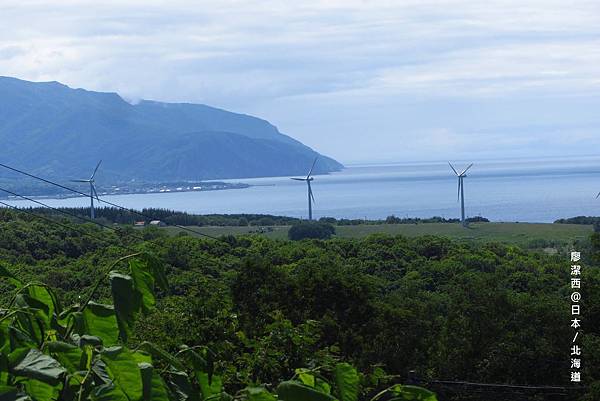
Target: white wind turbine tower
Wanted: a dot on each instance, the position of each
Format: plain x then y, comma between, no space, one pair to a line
308,179
93,192
461,192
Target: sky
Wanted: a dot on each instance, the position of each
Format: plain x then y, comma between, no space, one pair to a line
360,81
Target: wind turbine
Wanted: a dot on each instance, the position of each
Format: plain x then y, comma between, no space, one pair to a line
92,189
461,192
308,179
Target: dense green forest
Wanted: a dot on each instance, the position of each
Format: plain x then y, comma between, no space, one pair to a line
400,309
586,220
172,217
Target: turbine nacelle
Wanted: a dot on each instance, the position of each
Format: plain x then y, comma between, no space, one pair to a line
93,192
308,179
462,173
461,195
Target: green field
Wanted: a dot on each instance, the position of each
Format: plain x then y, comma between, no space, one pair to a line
517,233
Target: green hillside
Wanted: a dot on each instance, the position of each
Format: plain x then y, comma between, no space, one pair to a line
60,132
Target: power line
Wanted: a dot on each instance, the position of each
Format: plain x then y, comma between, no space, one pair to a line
103,201
58,210
414,378
85,219
68,227
504,386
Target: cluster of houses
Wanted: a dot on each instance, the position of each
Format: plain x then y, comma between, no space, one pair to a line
156,223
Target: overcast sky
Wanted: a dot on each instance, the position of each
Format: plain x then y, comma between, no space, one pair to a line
357,80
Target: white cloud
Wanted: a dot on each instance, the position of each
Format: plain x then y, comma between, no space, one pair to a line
264,56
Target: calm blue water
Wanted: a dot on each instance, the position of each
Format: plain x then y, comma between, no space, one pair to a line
540,190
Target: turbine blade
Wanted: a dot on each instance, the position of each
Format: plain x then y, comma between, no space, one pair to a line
468,167
310,192
80,180
96,169
452,167
311,169
598,196
94,190
459,185
298,179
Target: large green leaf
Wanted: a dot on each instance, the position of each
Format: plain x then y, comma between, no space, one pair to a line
347,382
108,392
295,391
123,370
69,356
412,393
147,273
259,394
45,297
100,372
38,311
157,269
30,320
18,339
154,386
127,302
72,385
5,274
143,282
322,386
3,370
146,371
160,353
4,337
8,393
181,388
86,340
203,361
41,391
209,387
33,364
98,320
306,377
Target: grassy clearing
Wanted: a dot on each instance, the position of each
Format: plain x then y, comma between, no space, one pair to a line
524,234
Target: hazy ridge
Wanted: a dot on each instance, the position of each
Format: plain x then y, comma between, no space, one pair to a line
51,129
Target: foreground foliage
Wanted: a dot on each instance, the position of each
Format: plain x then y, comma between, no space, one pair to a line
489,313
78,353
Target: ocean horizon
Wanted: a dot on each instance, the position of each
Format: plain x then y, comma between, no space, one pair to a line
539,190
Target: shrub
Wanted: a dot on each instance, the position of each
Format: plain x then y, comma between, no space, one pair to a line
310,229
477,219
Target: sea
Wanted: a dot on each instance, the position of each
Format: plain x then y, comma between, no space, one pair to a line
510,190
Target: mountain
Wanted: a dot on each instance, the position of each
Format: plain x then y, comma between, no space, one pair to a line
50,129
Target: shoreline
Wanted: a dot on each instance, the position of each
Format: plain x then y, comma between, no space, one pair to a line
120,193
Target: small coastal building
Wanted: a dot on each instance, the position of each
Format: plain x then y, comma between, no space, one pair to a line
139,223
158,223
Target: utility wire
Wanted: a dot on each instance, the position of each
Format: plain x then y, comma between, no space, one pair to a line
85,219
413,378
68,227
506,386
101,200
